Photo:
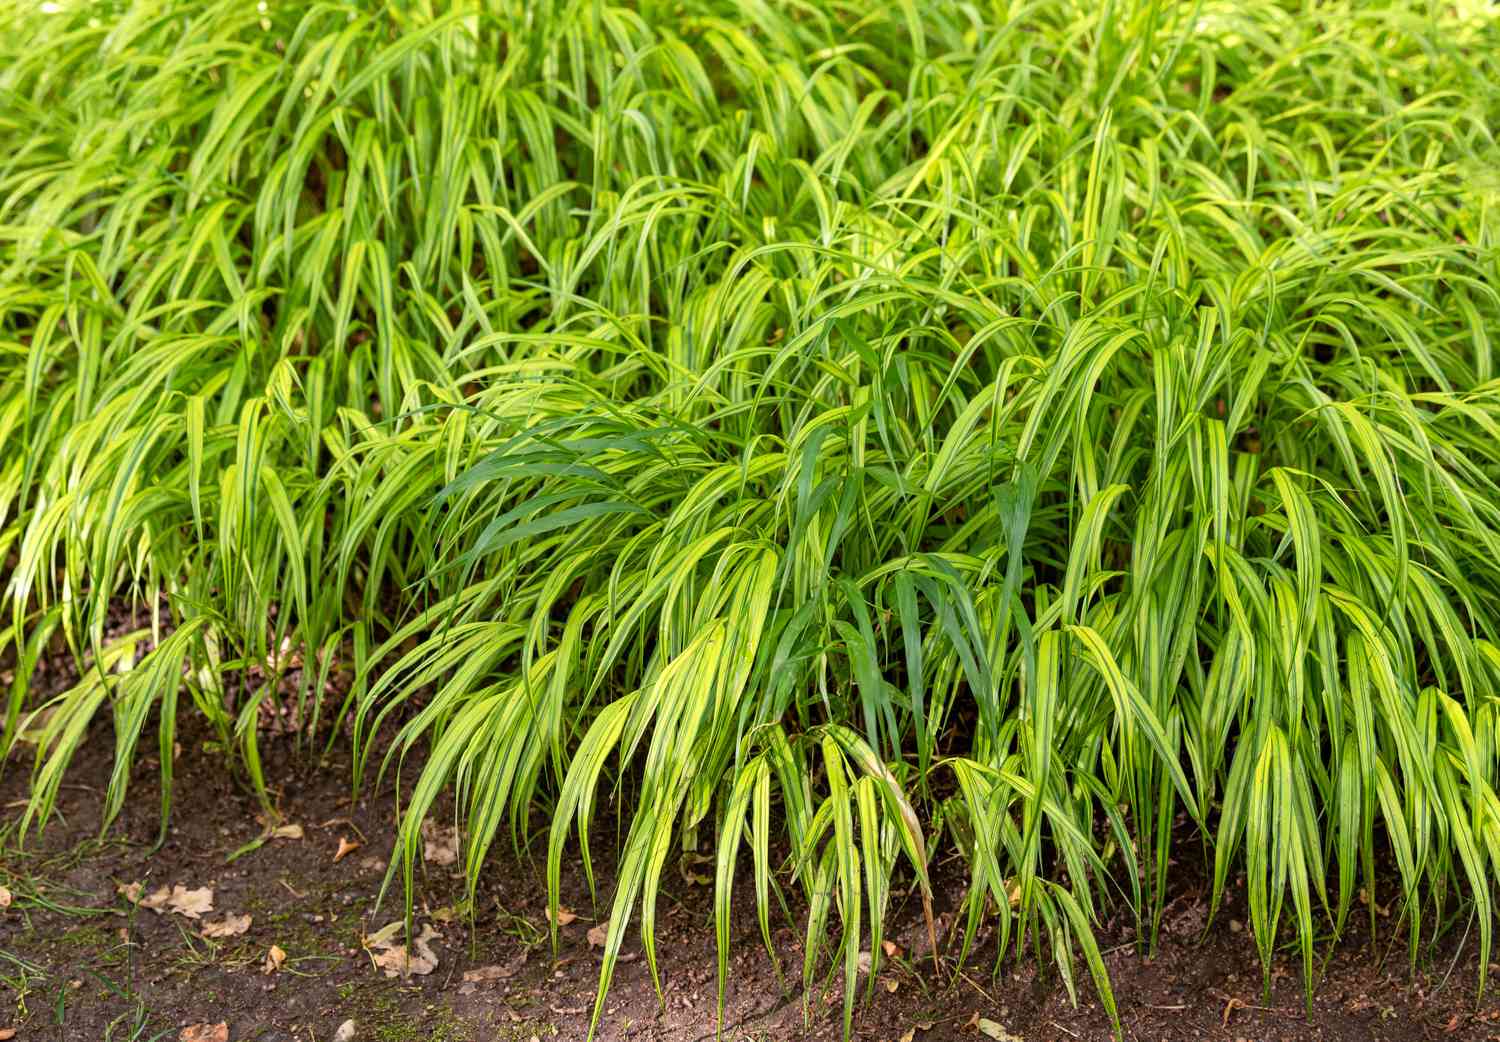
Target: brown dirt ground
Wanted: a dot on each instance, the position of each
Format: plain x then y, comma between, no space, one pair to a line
79,962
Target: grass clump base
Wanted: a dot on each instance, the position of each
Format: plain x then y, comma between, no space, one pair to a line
859,432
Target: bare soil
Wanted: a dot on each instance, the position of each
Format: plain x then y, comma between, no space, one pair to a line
79,961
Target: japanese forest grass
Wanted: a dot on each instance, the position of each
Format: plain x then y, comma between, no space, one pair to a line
1061,433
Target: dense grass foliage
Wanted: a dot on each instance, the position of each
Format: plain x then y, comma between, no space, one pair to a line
847,432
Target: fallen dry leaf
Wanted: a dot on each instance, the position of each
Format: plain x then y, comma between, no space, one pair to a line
345,1033
191,903
179,899
286,654
397,962
5,900
132,892
287,832
890,983
996,1031
6,1033
1013,892
492,973
274,959
345,849
439,844
229,926
564,916
598,934
205,1033
891,949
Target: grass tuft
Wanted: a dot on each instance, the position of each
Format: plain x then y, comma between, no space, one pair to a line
1051,431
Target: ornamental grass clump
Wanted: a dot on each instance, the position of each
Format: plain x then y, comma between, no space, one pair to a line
828,435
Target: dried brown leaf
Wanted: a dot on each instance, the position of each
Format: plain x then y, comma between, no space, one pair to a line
190,903
275,959
485,974
229,926
598,934
157,899
205,1033
396,961
179,899
996,1031
346,847
439,844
